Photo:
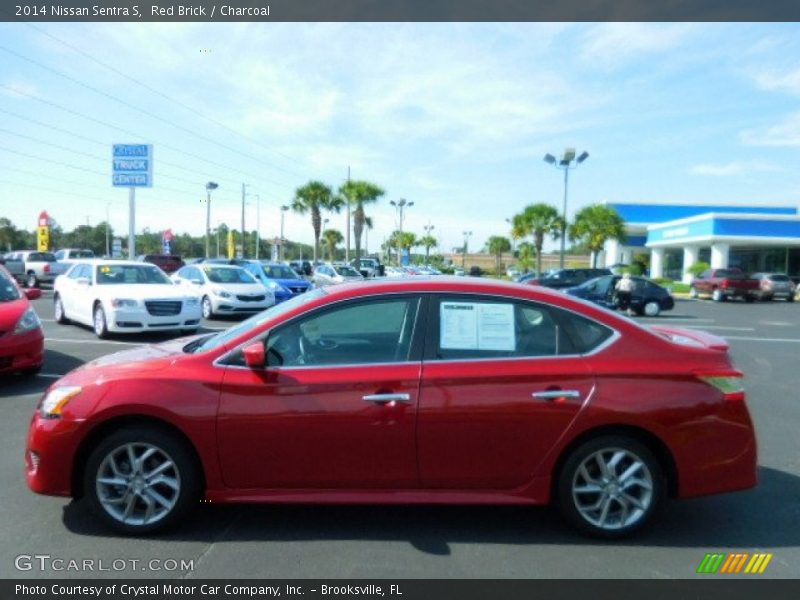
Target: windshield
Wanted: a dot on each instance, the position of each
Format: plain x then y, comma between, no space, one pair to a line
81,254
347,272
228,275
280,272
131,274
214,341
8,290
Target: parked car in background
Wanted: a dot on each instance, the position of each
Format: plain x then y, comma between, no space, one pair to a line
21,336
513,272
368,267
169,263
302,267
115,296
394,272
40,267
14,266
224,289
775,285
421,390
279,278
647,298
566,278
71,254
527,276
725,284
459,272
475,271
333,273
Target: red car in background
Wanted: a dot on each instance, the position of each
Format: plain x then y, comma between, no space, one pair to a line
442,390
21,337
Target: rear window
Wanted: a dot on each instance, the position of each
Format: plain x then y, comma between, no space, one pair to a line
730,274
779,278
41,257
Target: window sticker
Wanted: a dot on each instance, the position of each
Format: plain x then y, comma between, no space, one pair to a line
476,326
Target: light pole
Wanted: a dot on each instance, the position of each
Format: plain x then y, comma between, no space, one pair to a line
244,193
209,187
284,208
467,235
108,241
400,206
258,222
566,162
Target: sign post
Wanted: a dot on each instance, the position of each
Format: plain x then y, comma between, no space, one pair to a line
132,167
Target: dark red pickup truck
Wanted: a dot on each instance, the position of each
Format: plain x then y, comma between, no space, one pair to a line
722,284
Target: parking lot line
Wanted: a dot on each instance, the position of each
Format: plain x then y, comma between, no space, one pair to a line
719,327
73,341
758,339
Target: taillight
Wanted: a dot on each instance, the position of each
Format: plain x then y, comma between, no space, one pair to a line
46,268
724,283
730,383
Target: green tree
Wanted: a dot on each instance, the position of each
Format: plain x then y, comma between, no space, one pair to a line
357,194
313,198
8,234
537,221
428,242
594,225
402,241
497,244
332,237
526,256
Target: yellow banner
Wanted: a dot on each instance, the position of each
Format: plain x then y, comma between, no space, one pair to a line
43,238
231,245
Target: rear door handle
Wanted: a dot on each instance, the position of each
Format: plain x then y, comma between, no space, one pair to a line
384,398
554,394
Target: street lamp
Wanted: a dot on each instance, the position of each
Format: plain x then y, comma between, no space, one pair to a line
284,208
566,162
209,187
258,222
467,235
400,206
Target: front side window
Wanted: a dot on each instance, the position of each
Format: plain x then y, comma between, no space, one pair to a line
228,275
280,272
366,332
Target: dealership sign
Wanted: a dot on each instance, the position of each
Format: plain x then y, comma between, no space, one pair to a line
132,165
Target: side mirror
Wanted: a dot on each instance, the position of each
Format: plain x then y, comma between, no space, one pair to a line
33,293
254,355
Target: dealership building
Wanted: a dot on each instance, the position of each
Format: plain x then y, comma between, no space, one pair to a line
753,238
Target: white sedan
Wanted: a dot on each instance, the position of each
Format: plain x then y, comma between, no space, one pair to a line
224,289
123,297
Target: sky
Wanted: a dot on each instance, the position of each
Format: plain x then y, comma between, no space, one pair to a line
453,117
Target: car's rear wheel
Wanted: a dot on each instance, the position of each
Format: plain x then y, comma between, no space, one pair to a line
58,310
139,480
652,308
99,321
31,281
208,308
610,486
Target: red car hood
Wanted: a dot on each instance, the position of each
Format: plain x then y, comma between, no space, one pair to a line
692,337
10,313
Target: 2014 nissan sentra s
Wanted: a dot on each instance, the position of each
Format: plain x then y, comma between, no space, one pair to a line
441,390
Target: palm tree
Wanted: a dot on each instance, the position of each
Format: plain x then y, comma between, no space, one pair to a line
402,241
357,194
594,225
497,244
367,228
525,255
314,197
538,220
428,242
332,237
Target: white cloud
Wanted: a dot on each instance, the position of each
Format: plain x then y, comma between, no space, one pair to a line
611,45
733,168
785,133
779,81
19,89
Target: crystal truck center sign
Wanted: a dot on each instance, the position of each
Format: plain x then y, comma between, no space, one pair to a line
132,165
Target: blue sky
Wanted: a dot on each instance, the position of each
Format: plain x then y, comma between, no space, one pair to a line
455,117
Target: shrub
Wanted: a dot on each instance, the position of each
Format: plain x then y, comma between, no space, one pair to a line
698,268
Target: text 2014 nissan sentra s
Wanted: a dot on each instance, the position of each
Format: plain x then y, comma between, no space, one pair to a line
442,390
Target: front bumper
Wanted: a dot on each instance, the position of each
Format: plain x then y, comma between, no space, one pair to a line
234,306
49,455
138,319
21,352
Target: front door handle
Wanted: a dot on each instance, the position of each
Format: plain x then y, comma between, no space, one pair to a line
555,394
384,398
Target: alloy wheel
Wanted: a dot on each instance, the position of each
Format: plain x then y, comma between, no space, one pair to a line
612,489
651,309
138,484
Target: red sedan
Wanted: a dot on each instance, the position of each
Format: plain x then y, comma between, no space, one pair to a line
448,390
21,337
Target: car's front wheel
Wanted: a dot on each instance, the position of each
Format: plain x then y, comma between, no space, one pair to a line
139,480
58,309
99,321
610,486
208,308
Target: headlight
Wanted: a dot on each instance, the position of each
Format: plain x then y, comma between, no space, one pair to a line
192,300
222,293
275,286
124,303
56,400
28,322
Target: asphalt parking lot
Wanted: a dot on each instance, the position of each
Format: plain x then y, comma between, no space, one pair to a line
435,542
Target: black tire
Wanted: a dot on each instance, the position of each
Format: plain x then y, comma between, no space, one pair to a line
58,309
99,323
207,308
790,298
569,474
31,281
189,476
